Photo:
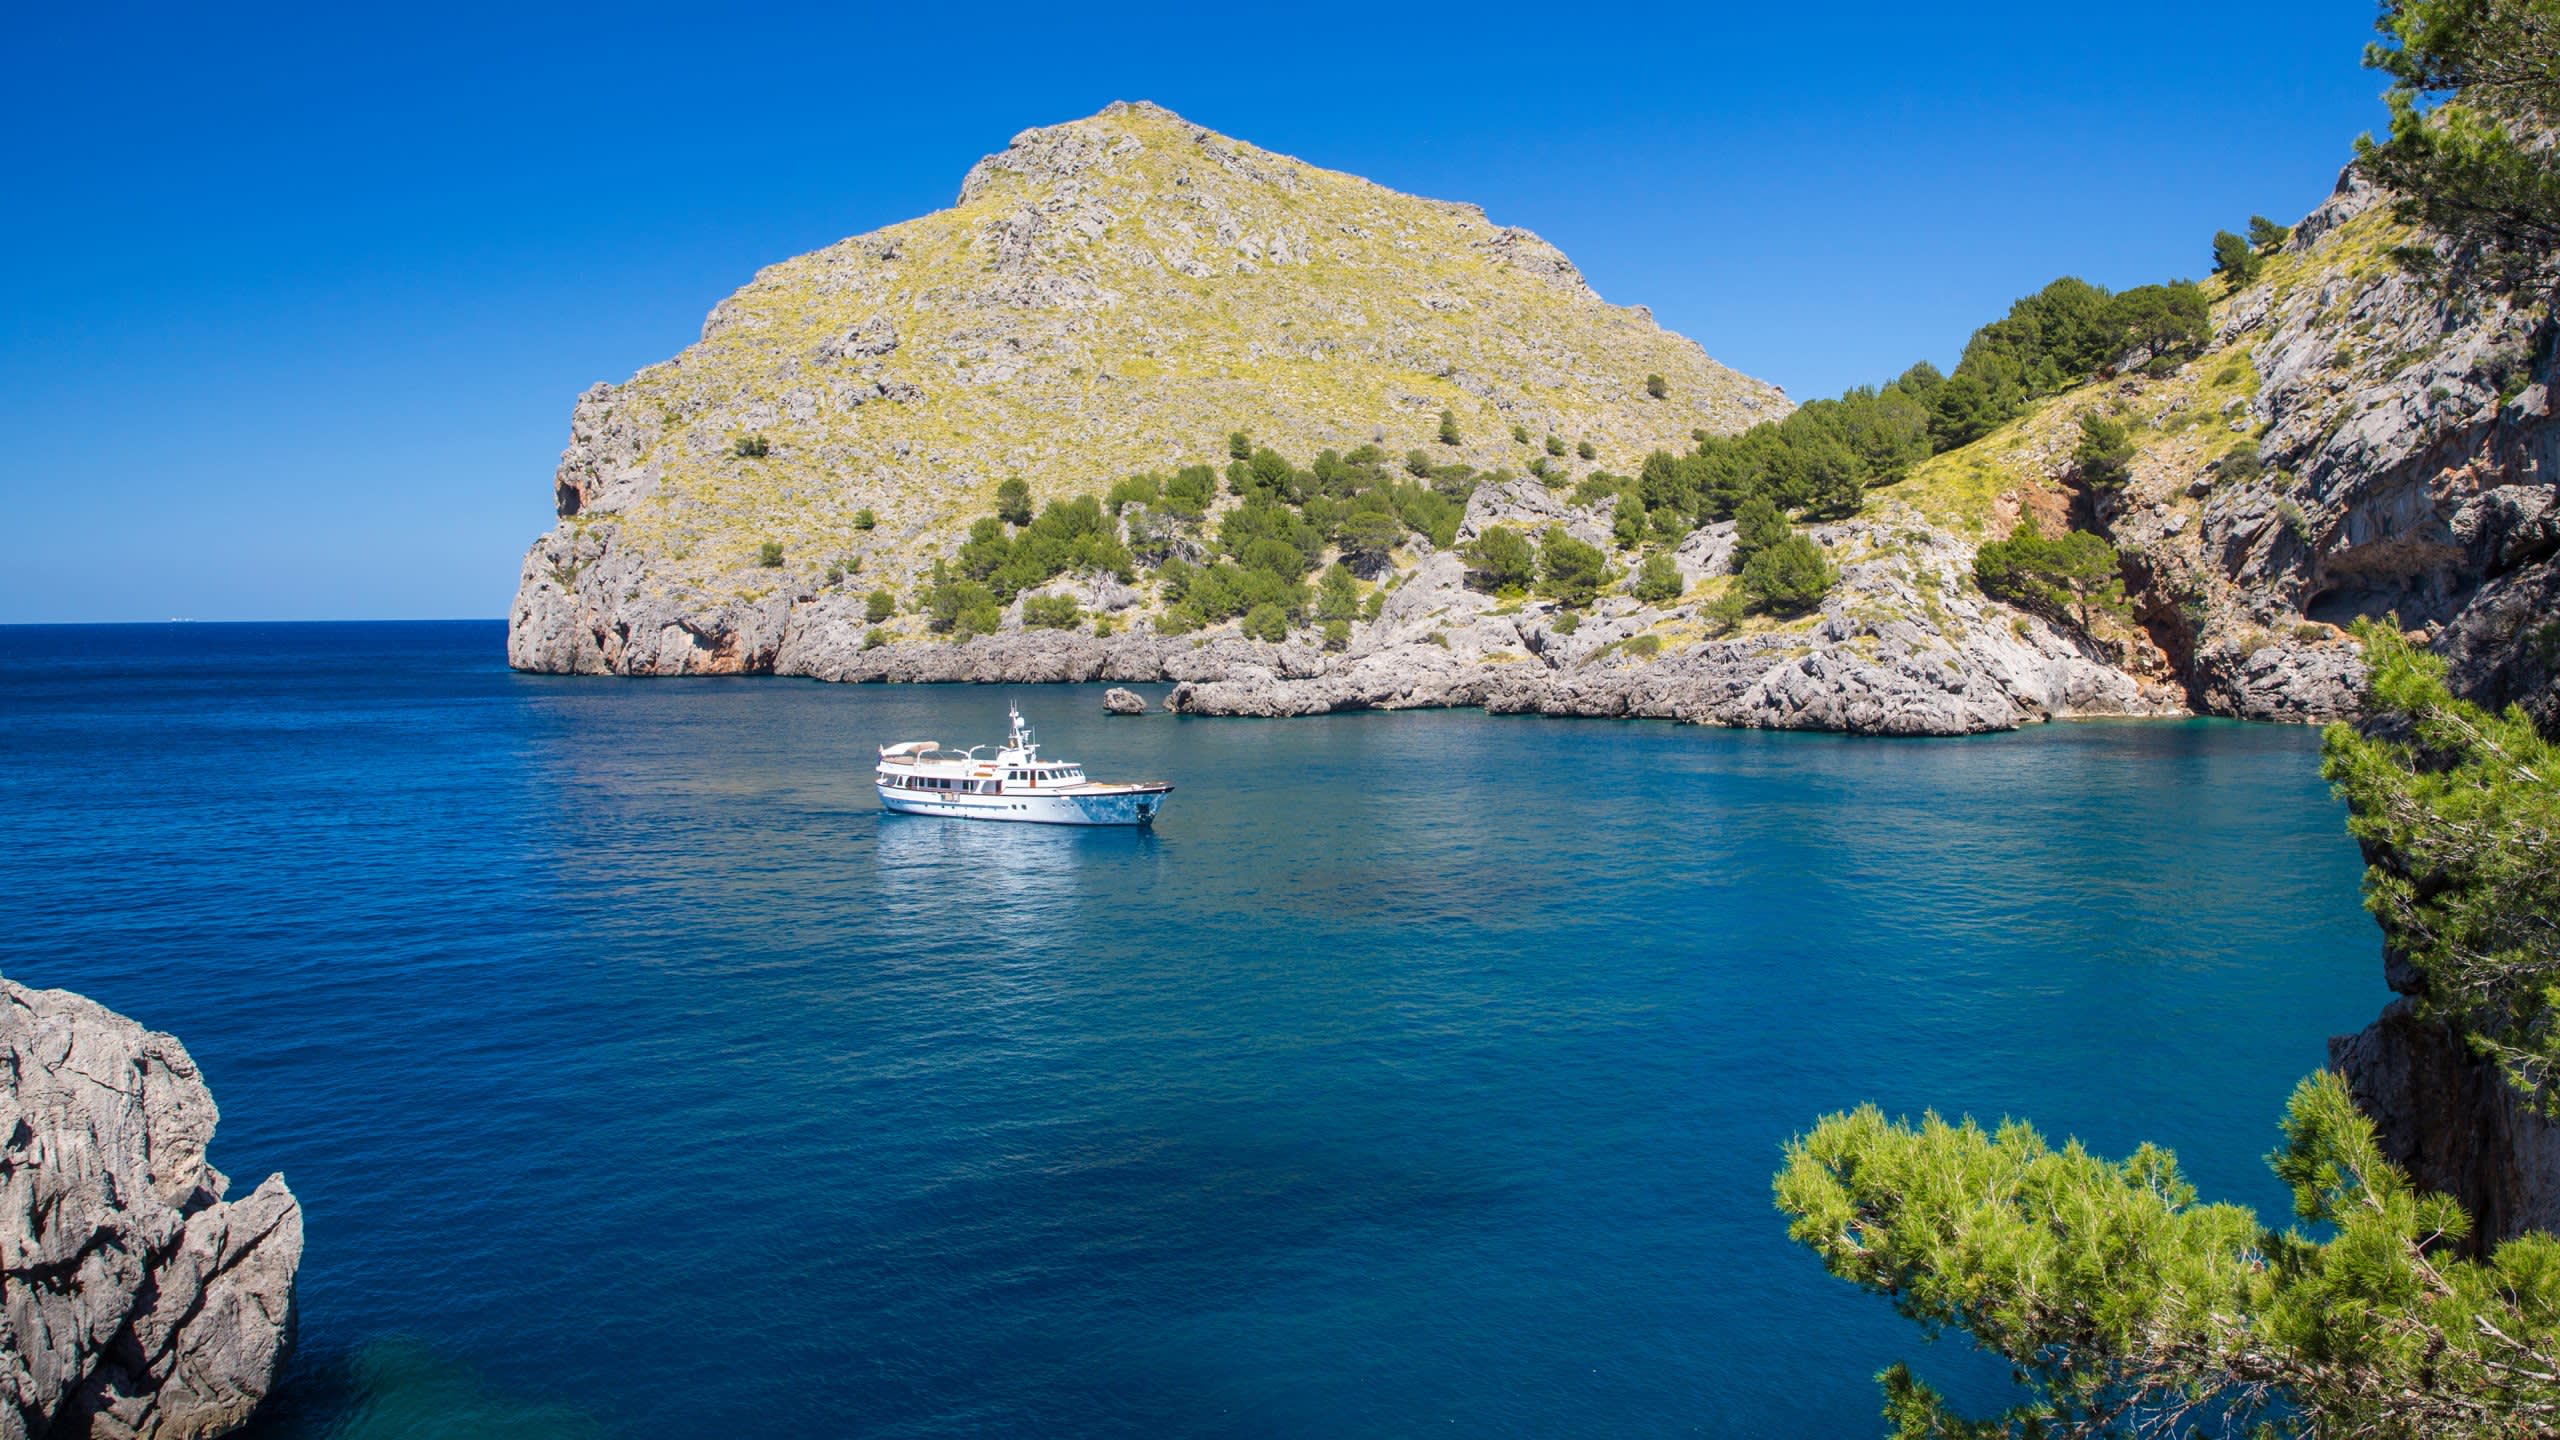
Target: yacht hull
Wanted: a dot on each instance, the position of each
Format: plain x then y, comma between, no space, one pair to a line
1111,805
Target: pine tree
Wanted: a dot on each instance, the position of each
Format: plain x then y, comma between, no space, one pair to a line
1013,502
1658,580
1337,595
1501,559
2233,260
2477,167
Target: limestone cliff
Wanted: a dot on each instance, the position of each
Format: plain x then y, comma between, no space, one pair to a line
134,1299
2363,438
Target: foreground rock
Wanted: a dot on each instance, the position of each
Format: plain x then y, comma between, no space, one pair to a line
2454,1123
139,1302
1117,701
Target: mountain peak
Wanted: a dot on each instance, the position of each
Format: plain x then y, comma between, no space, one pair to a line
1122,131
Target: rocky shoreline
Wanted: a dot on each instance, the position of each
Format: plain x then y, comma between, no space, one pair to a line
1840,674
139,1301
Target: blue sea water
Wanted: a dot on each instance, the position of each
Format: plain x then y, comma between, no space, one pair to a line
1419,1071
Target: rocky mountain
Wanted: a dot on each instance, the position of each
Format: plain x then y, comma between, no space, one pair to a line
138,1300
1111,295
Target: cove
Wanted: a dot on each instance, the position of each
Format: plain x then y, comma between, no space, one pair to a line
639,1077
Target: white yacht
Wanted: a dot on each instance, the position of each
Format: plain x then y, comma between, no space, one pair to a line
919,777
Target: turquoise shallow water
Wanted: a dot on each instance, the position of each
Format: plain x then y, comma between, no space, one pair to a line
639,1078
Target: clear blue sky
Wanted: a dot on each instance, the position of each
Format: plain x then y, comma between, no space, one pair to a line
296,305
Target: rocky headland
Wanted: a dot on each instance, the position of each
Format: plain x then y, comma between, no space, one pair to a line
1116,294
139,1301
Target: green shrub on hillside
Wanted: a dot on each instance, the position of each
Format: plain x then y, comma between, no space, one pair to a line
2104,456
960,607
1657,387
1501,559
1190,490
1790,577
879,606
1069,535
2074,576
2167,323
1134,490
1051,612
1568,569
1337,595
1520,434
2266,236
752,447
1627,525
1758,525
1367,537
863,519
1013,502
1266,621
769,554
1448,427
1239,445
1658,580
1586,450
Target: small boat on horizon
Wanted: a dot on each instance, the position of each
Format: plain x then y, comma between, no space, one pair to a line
919,777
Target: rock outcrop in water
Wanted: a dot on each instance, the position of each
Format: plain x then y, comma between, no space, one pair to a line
139,1301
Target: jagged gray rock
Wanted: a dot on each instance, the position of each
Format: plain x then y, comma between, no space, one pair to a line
1116,701
2410,466
139,1302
